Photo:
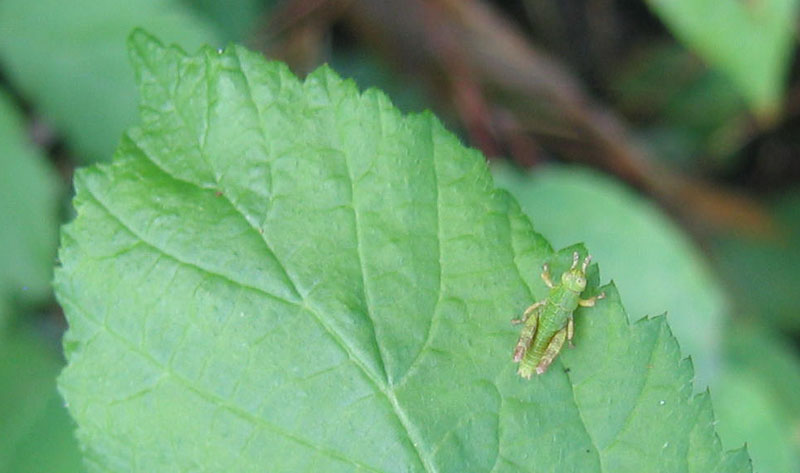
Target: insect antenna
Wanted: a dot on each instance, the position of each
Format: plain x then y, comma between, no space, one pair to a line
586,263
575,258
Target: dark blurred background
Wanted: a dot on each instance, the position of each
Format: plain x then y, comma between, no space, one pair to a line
663,133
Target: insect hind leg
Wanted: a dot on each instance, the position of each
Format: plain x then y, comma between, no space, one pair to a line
526,338
570,331
552,350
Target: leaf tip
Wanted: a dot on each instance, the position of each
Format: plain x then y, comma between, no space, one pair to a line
140,40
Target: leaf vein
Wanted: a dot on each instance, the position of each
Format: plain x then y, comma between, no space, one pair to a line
190,264
440,290
381,386
213,398
642,389
402,417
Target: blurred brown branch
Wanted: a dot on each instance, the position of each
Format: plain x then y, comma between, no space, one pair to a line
512,96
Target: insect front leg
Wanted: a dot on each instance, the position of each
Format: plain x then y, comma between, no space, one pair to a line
552,350
592,300
527,313
546,276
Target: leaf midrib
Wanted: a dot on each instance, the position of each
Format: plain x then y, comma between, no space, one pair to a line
209,396
303,304
413,436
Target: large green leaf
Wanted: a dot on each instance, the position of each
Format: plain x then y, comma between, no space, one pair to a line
655,265
68,58
292,276
747,410
767,287
28,203
777,366
751,41
35,429
758,397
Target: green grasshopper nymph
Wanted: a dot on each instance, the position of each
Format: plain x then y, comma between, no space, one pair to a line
548,323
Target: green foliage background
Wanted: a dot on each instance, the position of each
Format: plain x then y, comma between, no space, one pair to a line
67,93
